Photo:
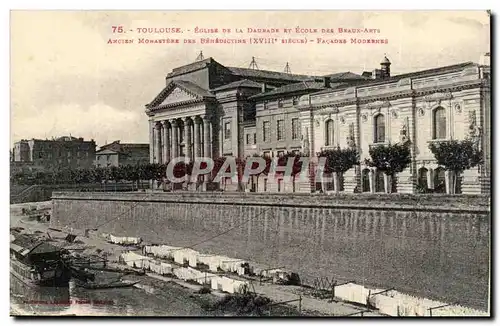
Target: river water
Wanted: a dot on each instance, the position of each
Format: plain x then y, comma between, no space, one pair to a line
105,302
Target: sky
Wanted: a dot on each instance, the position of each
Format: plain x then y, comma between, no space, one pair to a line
66,79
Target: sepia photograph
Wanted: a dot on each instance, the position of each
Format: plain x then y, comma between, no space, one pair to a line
250,163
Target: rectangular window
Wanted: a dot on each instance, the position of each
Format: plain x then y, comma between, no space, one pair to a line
281,129
227,130
280,103
267,154
295,100
248,139
280,153
255,138
266,132
295,128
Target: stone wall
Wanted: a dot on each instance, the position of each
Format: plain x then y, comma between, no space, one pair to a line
430,246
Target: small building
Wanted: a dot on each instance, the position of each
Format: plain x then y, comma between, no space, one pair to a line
118,154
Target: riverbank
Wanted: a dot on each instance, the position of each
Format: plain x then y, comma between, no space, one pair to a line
187,293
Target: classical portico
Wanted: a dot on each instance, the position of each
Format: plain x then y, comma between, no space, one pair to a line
181,137
180,125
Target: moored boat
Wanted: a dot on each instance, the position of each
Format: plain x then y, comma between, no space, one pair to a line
38,263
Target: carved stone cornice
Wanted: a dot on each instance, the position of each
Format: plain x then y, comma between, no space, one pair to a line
395,95
176,104
377,105
438,96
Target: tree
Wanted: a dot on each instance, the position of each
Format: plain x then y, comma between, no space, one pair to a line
116,174
296,168
240,165
456,156
389,159
339,161
266,170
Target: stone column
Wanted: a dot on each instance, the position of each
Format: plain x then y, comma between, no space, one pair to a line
206,136
157,139
151,142
197,143
187,133
175,145
166,142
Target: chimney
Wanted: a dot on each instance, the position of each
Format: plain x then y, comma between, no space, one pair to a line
484,60
385,66
326,82
376,74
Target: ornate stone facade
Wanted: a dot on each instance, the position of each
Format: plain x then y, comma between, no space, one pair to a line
211,110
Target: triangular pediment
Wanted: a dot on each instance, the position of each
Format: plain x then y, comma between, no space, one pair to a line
173,93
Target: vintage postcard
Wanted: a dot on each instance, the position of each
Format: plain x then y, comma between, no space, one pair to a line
250,163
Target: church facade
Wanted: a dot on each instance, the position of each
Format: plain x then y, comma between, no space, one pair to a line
207,109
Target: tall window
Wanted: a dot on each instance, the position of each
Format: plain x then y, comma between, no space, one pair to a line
295,128
266,136
365,177
439,123
379,129
329,133
227,130
248,139
281,129
422,178
254,138
280,103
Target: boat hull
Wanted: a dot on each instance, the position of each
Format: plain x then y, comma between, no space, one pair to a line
20,271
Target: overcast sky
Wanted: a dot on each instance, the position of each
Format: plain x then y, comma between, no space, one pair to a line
65,78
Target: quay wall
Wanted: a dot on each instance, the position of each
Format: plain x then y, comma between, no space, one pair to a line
434,246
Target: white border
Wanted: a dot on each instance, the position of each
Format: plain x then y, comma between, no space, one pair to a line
178,5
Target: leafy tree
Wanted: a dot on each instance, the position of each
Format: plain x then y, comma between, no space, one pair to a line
240,165
296,168
266,170
339,161
390,159
456,156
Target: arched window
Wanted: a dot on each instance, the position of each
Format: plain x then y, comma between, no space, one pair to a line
379,129
329,133
439,123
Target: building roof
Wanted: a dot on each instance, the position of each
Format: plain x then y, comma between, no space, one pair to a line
118,147
193,88
244,83
193,66
268,74
25,245
66,138
291,88
336,80
345,76
417,74
385,61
